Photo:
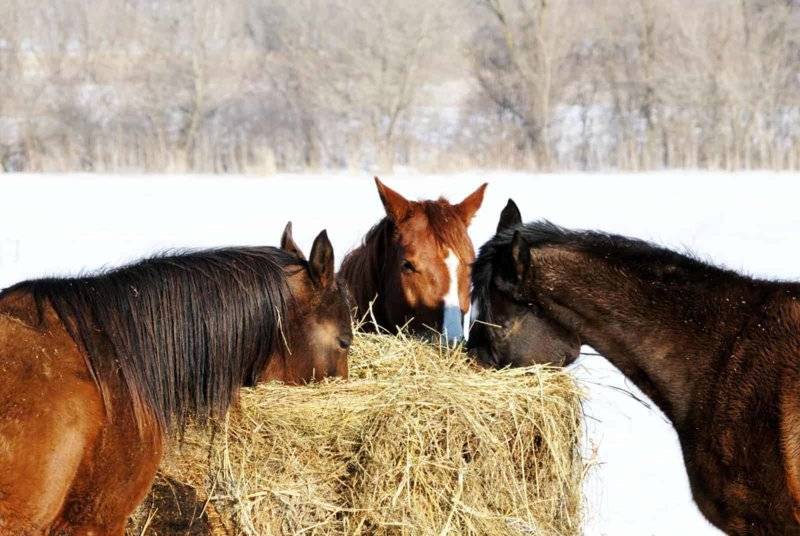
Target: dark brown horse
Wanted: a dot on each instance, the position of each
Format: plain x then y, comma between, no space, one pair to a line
413,266
718,352
97,370
509,333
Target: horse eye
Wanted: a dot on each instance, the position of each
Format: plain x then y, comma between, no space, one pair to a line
408,266
344,344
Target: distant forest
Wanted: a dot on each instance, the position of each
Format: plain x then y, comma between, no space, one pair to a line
259,86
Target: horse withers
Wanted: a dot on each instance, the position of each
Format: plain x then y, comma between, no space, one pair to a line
717,351
98,370
413,266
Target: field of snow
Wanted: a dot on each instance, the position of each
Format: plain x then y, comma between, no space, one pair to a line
750,222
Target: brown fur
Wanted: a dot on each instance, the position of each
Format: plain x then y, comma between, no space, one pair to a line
73,462
401,262
718,352
61,464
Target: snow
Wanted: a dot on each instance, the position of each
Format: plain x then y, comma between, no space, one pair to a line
750,222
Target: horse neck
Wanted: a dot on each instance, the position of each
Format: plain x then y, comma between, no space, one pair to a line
363,270
664,332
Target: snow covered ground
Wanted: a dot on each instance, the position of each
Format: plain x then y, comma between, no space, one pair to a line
750,222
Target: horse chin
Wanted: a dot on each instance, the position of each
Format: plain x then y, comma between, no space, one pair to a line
483,357
570,357
571,352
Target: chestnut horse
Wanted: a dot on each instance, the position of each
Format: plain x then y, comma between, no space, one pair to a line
98,370
717,351
413,265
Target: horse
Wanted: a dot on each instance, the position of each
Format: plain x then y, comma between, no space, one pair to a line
99,370
412,268
718,352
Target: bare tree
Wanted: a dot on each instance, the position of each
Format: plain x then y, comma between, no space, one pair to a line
259,85
523,59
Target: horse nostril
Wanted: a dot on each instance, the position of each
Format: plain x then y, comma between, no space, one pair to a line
344,344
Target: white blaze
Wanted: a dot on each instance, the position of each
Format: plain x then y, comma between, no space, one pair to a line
469,319
452,324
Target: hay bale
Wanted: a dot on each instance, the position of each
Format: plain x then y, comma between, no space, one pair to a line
417,442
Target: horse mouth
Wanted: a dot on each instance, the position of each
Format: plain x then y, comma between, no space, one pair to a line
446,339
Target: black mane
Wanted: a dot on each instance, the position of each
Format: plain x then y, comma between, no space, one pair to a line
182,332
648,260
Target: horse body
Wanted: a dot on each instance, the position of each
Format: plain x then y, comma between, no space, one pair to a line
98,370
718,352
740,432
413,266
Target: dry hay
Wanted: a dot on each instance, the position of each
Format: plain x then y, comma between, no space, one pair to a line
418,442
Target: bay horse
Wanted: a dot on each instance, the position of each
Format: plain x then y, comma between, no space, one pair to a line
413,265
98,370
717,351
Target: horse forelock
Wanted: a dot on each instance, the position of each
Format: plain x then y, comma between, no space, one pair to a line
179,333
448,228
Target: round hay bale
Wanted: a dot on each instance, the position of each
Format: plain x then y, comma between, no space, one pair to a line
416,442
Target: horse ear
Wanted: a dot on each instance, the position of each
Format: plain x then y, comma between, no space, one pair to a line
470,205
520,254
509,217
289,245
395,204
320,262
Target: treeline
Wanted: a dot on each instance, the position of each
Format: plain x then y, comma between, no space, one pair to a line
257,86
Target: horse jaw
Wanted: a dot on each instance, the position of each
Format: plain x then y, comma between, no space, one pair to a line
453,320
